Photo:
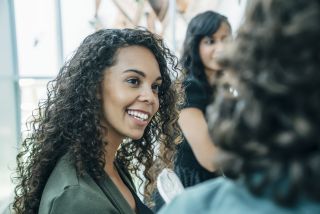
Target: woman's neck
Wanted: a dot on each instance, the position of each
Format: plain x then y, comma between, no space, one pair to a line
110,153
210,74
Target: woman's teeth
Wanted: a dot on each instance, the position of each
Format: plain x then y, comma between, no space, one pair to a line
138,115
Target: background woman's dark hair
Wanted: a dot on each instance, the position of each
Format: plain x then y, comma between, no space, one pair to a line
273,128
202,25
69,119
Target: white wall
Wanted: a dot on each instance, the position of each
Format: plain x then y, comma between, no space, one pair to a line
8,108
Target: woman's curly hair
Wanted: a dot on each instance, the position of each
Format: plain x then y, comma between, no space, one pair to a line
68,121
272,128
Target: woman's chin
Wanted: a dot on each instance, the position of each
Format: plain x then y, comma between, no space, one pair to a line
136,137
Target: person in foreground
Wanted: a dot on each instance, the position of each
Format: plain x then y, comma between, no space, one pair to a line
269,132
116,86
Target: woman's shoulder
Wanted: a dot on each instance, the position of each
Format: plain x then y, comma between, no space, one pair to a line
193,82
63,176
222,195
195,93
76,199
66,192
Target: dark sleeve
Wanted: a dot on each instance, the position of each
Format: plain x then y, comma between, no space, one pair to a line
195,94
74,200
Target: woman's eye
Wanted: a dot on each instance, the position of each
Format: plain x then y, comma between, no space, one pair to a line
133,81
208,41
156,88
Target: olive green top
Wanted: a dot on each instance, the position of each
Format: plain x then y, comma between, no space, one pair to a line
67,192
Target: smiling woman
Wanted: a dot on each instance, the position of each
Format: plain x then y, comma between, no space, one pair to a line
117,85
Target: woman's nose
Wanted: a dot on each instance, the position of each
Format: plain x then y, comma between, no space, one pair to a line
219,47
147,95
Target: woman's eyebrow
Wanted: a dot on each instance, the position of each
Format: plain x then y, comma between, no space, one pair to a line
141,73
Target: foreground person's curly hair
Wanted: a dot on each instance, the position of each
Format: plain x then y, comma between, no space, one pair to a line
68,121
272,128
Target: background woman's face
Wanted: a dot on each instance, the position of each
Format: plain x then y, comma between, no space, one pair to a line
130,92
210,48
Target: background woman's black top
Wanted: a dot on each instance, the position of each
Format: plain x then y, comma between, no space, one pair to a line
198,95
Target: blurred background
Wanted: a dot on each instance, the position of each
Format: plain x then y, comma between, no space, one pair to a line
37,36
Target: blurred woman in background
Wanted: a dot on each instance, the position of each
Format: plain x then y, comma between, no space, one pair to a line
202,47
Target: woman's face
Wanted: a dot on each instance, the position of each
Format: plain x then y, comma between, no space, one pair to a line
210,48
130,93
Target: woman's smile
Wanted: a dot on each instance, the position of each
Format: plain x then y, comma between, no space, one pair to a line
139,117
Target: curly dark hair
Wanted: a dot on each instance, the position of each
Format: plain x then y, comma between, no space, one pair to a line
271,129
68,121
202,25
